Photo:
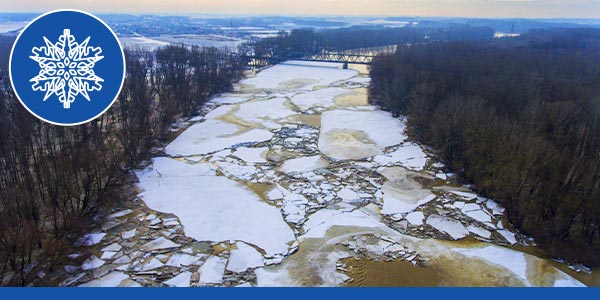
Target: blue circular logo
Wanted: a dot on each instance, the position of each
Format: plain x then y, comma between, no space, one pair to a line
67,67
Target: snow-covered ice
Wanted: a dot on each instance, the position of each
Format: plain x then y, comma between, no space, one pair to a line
264,112
181,280
252,155
213,208
160,244
182,260
448,225
296,75
479,215
212,270
91,239
351,135
149,265
512,260
230,99
401,193
303,164
323,98
128,234
409,155
211,136
319,223
508,236
484,233
465,195
112,279
244,257
415,218
92,263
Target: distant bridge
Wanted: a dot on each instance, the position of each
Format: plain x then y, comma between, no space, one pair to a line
332,57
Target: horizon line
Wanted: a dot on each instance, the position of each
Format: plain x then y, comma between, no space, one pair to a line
174,14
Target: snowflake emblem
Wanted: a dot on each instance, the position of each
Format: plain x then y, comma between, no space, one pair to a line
66,69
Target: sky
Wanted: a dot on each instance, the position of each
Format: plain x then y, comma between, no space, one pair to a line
450,8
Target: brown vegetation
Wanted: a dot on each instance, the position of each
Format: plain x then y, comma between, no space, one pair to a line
52,178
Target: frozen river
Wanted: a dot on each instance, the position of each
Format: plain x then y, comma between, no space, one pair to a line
295,180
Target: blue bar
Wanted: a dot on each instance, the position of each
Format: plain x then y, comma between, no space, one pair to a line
299,293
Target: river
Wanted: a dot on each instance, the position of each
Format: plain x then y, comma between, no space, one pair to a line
294,179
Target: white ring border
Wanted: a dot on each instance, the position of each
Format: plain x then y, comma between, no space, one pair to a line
122,55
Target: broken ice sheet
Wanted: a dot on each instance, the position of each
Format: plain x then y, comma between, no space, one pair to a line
181,280
252,155
92,263
254,112
128,234
322,98
120,214
91,239
484,233
182,260
352,135
160,244
448,225
211,136
508,236
415,218
112,279
224,210
212,270
244,257
303,164
409,155
348,195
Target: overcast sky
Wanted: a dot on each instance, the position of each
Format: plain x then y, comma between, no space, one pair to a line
464,8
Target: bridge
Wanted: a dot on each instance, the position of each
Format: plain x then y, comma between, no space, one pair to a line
332,57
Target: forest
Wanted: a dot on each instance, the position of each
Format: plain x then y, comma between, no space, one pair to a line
54,179
517,117
302,42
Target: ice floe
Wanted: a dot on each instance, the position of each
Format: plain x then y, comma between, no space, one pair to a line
303,164
112,279
252,155
160,244
181,280
92,263
244,257
401,192
211,136
409,155
265,112
452,227
91,239
213,208
212,270
319,223
319,99
415,218
348,135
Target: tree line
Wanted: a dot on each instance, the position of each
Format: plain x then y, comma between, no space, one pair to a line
52,178
519,118
302,42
